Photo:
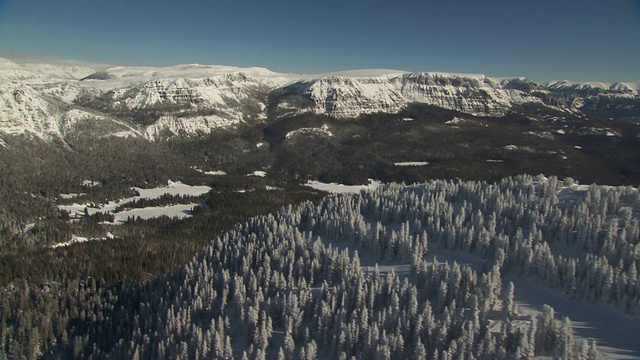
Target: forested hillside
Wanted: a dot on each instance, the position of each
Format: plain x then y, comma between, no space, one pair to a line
358,276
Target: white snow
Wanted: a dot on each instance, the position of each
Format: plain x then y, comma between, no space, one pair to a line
194,125
211,172
70,195
494,161
361,73
341,188
439,257
615,333
258,173
180,211
323,130
79,239
627,88
37,73
90,183
411,163
74,239
456,120
511,147
173,188
541,134
125,134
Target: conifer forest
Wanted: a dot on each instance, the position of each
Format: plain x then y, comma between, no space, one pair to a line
424,271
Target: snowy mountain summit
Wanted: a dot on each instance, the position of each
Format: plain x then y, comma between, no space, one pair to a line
54,101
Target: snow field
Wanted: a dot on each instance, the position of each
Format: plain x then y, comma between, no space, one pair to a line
341,188
172,188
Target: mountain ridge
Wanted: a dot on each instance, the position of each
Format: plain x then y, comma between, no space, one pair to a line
194,99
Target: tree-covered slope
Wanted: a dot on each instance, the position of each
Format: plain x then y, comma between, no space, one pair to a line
298,283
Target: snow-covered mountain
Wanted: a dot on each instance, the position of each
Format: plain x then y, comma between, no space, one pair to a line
41,73
346,97
49,101
630,89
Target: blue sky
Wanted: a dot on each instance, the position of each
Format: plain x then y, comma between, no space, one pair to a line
542,39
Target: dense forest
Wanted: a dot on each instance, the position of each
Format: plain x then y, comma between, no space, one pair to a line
358,276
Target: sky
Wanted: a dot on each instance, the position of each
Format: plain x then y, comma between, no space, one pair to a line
542,40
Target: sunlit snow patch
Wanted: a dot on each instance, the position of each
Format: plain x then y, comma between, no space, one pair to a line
74,239
90,183
180,211
79,239
456,120
212,173
124,134
323,130
70,195
411,163
341,188
258,173
172,188
215,173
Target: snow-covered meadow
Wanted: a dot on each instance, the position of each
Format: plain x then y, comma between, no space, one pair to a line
342,188
173,188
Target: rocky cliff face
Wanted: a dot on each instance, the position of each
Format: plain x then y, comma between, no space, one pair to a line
185,100
348,97
194,106
23,109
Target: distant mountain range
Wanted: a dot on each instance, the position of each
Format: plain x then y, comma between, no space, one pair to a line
55,101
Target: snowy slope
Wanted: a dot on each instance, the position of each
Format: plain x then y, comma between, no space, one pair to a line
630,89
41,73
189,126
22,109
27,111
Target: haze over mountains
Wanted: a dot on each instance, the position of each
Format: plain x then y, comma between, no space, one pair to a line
54,101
